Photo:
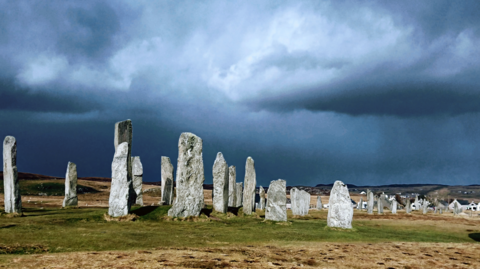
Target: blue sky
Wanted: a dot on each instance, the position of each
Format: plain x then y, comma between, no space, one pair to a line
367,92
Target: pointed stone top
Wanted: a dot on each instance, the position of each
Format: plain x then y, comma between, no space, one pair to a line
250,159
122,150
9,140
70,164
220,157
232,167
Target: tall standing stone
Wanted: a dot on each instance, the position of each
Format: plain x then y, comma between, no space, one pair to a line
408,207
121,190
11,188
319,203
220,184
379,205
340,212
425,206
123,133
360,204
394,207
71,198
416,203
167,181
370,202
190,177
249,188
276,208
300,202
261,192
232,192
239,194
137,173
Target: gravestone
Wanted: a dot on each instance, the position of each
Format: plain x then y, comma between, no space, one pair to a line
261,192
276,208
340,212
121,190
319,203
394,207
220,184
71,198
137,173
239,194
11,187
232,193
249,188
370,202
167,181
190,177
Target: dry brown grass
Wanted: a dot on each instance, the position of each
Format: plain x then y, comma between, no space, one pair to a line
129,217
309,255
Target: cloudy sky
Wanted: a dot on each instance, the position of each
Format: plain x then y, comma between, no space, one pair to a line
367,92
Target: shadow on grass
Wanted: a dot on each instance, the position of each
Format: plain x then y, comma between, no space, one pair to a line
475,236
8,226
207,211
142,211
234,210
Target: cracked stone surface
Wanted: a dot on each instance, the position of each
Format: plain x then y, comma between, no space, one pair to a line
11,187
232,181
340,211
276,208
122,194
71,198
137,172
300,202
167,181
249,188
220,184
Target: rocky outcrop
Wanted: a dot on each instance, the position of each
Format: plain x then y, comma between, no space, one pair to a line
220,184
340,211
276,208
11,187
71,198
190,177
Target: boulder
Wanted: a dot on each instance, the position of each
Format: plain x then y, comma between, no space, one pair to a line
190,177
71,198
121,190
249,188
167,181
220,184
276,208
232,181
239,194
11,187
340,212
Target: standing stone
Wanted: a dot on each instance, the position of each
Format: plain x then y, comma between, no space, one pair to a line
379,205
137,172
416,203
360,204
190,177
319,203
408,207
300,202
220,184
425,206
71,186
441,211
11,188
239,194
370,202
340,212
261,192
167,181
123,133
121,190
249,189
293,201
394,207
232,192
276,208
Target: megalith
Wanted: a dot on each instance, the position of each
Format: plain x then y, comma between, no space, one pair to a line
190,177
300,202
123,133
261,192
416,203
167,181
11,187
71,198
121,190
360,204
408,207
239,194
394,207
340,212
249,188
379,205
370,202
232,184
425,206
220,184
276,208
137,177
319,203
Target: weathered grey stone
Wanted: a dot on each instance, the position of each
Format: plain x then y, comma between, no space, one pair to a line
370,202
232,181
137,174
167,181
380,205
239,194
220,184
360,204
11,187
190,177
261,192
121,190
416,203
300,202
394,207
71,198
123,133
441,211
408,207
340,212
249,188
319,203
276,208
425,206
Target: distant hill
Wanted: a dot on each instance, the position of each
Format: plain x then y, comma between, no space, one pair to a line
386,186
